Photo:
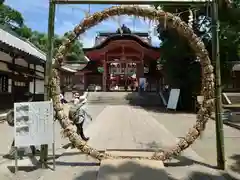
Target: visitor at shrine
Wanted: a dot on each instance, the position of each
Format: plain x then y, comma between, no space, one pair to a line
78,115
145,86
132,86
141,86
62,98
116,88
136,85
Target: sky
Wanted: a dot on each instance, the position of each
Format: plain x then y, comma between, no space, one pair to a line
35,14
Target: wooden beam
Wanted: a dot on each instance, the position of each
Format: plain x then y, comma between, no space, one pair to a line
123,43
34,82
28,67
131,2
126,55
19,54
13,81
127,44
137,62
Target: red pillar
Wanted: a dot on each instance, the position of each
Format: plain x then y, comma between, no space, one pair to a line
140,67
140,70
85,83
104,75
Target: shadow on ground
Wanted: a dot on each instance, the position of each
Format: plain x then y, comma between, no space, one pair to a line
235,167
34,161
150,101
233,125
139,172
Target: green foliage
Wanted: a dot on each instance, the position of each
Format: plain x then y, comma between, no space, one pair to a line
24,32
229,35
13,20
100,69
180,67
10,16
76,54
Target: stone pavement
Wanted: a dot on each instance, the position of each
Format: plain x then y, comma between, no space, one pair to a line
126,127
131,169
179,123
29,172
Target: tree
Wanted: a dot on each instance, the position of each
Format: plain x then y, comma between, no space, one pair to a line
12,20
24,32
175,50
76,54
10,17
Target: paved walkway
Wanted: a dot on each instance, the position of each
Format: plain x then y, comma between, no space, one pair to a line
126,127
206,145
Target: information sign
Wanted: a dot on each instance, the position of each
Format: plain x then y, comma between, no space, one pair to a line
173,99
33,123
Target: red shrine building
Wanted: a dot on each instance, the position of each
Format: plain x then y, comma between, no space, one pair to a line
120,60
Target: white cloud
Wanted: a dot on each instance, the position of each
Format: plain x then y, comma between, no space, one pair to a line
64,27
87,41
155,41
29,5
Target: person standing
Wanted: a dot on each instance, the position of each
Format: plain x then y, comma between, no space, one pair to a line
78,115
136,85
76,99
62,98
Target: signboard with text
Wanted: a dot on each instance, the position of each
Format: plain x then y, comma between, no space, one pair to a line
33,123
173,99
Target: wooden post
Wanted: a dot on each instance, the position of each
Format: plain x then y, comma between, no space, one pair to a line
48,70
28,78
13,79
218,90
104,79
34,82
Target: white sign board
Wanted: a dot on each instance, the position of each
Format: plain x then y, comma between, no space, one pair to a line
173,99
33,123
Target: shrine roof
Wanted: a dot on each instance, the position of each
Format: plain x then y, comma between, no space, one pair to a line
116,37
140,34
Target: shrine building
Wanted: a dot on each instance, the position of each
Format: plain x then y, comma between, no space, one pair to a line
121,59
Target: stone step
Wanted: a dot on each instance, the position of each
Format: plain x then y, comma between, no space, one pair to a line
123,98
3,116
130,153
131,169
233,97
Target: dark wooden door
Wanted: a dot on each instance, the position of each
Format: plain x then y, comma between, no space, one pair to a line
20,88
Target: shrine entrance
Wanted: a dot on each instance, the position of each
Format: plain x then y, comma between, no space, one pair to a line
172,21
124,58
122,76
